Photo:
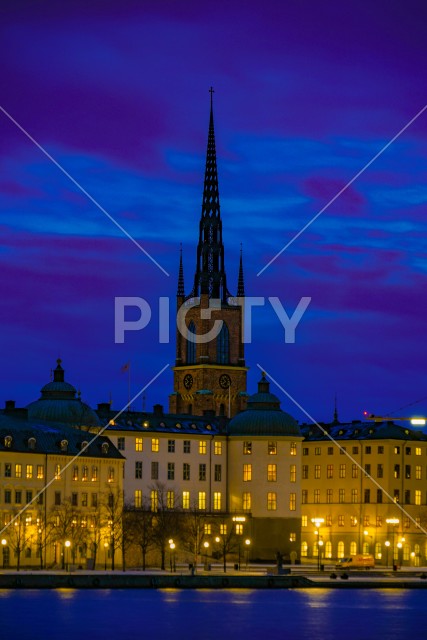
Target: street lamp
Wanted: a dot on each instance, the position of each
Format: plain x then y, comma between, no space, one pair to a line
105,555
206,546
394,522
387,544
172,555
67,546
319,553
317,523
248,544
4,543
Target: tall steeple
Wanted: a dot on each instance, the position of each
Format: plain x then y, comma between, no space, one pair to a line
241,282
210,275
180,291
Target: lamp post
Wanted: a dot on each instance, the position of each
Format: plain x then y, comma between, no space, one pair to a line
319,553
394,522
67,546
206,546
387,544
248,544
4,543
172,555
105,555
317,523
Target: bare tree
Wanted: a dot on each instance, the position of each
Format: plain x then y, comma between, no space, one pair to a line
227,540
19,537
166,519
193,531
113,511
65,524
139,522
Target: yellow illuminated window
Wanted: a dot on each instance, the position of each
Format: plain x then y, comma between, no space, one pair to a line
29,471
111,474
418,475
353,521
304,521
138,498
207,529
246,501
272,448
57,472
218,448
293,473
223,529
342,470
417,496
417,451
292,501
154,444
292,537
247,472
202,500
185,499
330,471
202,447
247,448
217,501
317,471
271,472
293,449
170,499
94,473
40,472
271,501
354,471
239,529
75,473
85,473
18,470
138,444
154,497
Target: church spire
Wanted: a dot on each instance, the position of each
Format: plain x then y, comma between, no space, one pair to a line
210,275
180,291
336,421
241,282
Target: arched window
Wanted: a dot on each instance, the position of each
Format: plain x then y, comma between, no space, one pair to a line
406,552
191,346
340,549
328,549
304,549
365,548
353,548
223,345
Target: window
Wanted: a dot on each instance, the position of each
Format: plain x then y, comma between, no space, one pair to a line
329,494
380,449
202,447
218,448
417,451
191,344
304,521
330,451
239,529
94,473
137,498
317,451
121,443
292,537
75,473
353,548
7,497
396,450
57,472
341,521
343,450
247,472
271,501
85,473
330,471
223,345
396,472
355,450
154,470
304,496
272,448
293,473
217,473
407,471
293,449
154,499
18,497
316,496
368,449
271,472
74,499
207,529
408,451
367,469
407,496
202,500
305,471
94,499
328,521
84,499
367,496
396,495
341,495
138,469
202,472
406,523
247,448
111,474
171,470
29,496
29,471
246,501
154,444
223,529
342,470
171,446
138,444
217,501
380,471
187,446
40,472
317,471
354,496
292,501
185,471
418,472
354,471
366,522
353,521
304,549
57,498
305,451
340,549
379,521
170,499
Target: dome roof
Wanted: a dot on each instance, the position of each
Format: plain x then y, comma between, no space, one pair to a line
58,403
263,417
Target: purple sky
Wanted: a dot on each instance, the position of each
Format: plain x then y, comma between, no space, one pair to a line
306,93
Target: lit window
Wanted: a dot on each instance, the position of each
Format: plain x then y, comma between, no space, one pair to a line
293,473
185,499
292,537
138,444
85,473
316,496
154,499
94,473
397,450
341,495
342,470
111,474
202,447
317,471
304,549
223,529
353,521
292,501
207,529
304,521
247,448
271,501
293,449
272,448
418,475
171,446
328,521
271,473
154,444
341,521
330,471
317,451
417,496
170,499
354,496
202,500
353,548
304,496
329,495
379,521
239,529
354,471
187,446
75,473
57,472
417,451
217,501
18,470
218,448
138,498
247,472
246,501
40,472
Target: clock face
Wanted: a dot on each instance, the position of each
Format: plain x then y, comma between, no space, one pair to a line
188,381
224,381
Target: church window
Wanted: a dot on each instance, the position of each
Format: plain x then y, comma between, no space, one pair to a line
223,345
191,346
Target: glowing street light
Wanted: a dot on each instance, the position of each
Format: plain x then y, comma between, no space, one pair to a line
394,522
67,546
206,546
172,546
247,545
106,545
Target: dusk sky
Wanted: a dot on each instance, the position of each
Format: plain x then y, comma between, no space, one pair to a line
306,93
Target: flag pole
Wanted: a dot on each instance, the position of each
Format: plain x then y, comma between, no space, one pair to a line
129,387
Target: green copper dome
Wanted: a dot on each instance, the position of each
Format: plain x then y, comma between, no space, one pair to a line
263,417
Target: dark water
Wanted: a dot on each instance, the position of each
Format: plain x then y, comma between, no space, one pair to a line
315,614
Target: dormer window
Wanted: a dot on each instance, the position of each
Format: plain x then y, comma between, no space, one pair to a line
8,442
84,444
31,443
64,445
104,448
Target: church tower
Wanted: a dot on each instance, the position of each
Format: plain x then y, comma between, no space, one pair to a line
210,372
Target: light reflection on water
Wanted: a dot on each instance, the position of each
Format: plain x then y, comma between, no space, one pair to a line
316,614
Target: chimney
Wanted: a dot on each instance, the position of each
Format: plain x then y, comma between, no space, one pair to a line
158,409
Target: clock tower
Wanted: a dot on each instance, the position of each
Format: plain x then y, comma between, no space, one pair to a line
210,371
